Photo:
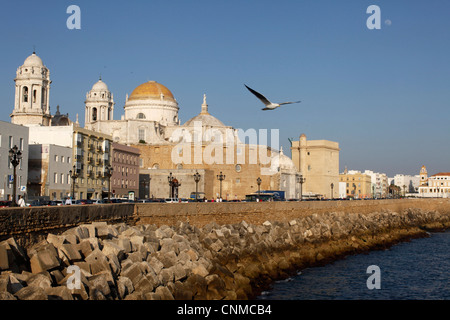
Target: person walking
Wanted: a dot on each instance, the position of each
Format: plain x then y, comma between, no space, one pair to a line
21,202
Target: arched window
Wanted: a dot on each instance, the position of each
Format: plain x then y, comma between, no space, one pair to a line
140,116
25,94
94,114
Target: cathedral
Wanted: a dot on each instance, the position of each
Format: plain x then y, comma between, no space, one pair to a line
169,149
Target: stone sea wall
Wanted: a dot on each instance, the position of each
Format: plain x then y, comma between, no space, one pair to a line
185,261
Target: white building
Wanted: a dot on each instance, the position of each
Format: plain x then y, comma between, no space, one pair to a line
407,183
380,183
150,114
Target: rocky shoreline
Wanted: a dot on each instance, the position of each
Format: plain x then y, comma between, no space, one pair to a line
184,262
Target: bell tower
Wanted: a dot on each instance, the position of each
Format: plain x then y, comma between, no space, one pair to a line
99,105
423,176
32,98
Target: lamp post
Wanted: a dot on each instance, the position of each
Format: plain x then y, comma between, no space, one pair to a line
170,179
332,186
301,180
73,175
108,172
196,179
14,157
220,177
258,181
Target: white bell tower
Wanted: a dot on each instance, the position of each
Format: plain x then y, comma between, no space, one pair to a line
32,99
99,105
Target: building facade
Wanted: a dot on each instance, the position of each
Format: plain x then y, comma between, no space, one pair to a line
435,186
380,184
358,185
318,162
48,175
125,177
90,154
13,135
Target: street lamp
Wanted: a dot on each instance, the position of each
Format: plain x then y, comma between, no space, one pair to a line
108,172
196,179
73,175
14,157
332,186
220,177
258,181
170,179
301,180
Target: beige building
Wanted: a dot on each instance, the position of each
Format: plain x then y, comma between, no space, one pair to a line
358,185
90,152
435,186
318,162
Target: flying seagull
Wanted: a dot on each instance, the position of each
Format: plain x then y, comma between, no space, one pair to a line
269,105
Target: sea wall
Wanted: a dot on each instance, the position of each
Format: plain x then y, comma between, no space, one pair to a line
184,261
32,224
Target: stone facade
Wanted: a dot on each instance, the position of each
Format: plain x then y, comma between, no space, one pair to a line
318,162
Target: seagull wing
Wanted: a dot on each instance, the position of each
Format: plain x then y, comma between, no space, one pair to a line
259,96
289,102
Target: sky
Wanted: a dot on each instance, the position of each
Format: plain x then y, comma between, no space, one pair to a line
382,94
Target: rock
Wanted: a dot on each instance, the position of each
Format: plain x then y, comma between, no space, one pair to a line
31,293
134,273
164,293
99,283
42,280
45,259
71,251
98,262
110,247
58,293
5,295
124,286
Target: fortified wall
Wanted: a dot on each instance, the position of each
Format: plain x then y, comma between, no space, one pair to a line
32,224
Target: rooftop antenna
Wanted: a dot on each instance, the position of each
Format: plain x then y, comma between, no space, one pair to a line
34,49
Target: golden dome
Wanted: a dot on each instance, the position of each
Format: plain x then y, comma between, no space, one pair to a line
151,90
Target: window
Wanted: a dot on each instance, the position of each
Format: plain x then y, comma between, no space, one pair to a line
56,158
55,178
25,94
140,116
11,142
21,144
62,158
62,177
68,159
141,134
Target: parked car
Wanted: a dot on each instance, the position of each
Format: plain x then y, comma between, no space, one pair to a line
4,204
83,201
98,201
171,200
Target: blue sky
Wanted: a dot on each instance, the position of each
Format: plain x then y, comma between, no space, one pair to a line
382,94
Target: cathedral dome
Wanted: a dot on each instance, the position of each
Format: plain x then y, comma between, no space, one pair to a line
151,90
100,86
205,118
33,61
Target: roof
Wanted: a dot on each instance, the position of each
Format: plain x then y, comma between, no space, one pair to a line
441,174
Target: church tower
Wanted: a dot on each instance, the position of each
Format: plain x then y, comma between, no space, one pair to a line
423,176
32,99
99,105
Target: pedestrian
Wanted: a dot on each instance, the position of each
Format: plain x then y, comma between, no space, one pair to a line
69,201
21,202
